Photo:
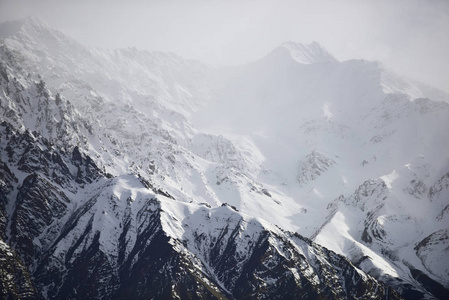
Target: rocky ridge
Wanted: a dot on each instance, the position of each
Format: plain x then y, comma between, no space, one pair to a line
107,180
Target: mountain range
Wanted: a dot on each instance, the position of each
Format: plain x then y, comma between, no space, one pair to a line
128,174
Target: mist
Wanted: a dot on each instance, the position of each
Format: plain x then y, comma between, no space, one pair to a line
409,37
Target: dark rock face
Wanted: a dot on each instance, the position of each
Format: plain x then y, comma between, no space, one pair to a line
161,272
87,170
335,280
7,181
39,203
91,276
431,285
69,252
286,266
39,206
15,281
33,154
152,268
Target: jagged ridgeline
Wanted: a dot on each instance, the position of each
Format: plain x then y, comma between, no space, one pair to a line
126,174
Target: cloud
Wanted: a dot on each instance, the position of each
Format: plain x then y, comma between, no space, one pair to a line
409,36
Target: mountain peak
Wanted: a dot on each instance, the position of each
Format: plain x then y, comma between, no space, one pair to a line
35,22
307,53
10,28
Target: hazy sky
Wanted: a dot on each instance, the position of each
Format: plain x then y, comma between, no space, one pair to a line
409,36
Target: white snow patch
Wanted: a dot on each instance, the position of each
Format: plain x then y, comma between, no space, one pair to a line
326,111
390,178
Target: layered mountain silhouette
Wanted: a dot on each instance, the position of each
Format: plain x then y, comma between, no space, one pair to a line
127,174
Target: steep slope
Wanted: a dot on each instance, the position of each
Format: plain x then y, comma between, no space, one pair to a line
15,281
99,237
288,139
329,129
304,54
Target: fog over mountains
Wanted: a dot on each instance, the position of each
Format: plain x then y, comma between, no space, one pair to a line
128,174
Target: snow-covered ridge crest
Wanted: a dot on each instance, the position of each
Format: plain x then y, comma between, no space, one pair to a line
132,112
307,53
11,28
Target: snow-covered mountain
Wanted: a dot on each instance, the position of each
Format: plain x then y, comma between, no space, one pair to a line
128,174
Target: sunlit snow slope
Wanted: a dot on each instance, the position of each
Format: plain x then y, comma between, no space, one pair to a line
344,153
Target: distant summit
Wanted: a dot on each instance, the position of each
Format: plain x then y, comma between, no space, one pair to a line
10,28
304,54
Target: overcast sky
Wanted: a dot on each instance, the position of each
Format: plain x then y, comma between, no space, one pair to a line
409,36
